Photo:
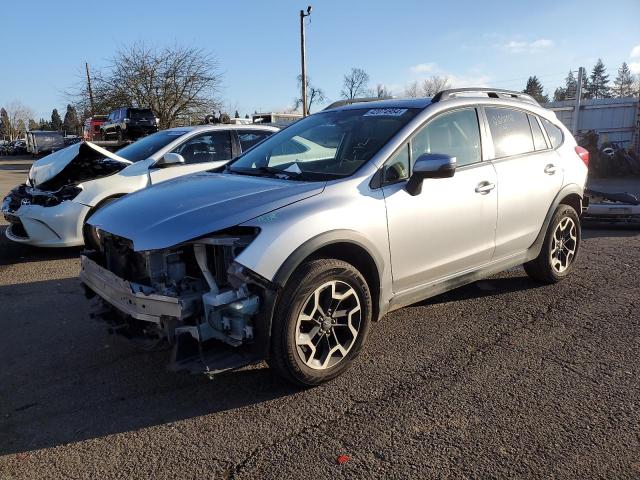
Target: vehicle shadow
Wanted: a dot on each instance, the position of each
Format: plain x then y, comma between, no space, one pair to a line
497,285
12,252
65,379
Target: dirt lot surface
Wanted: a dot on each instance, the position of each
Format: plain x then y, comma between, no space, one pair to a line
502,378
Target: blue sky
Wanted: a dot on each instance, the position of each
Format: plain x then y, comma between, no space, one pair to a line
490,43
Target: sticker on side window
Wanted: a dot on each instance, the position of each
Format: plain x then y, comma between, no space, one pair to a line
387,112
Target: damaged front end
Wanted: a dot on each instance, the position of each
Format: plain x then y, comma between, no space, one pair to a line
25,195
193,297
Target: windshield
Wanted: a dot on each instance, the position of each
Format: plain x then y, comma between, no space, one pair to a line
324,146
147,146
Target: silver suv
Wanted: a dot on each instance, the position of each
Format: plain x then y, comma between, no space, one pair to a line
291,251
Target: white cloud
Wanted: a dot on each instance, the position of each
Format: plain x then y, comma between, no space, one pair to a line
515,46
635,52
635,67
459,81
423,68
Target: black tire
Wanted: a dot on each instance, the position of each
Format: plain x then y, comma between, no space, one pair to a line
91,240
285,357
541,268
119,135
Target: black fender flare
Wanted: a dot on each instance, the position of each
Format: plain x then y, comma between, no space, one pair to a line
264,320
570,189
323,240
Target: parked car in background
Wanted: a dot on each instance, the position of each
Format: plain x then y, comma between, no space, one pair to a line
65,188
41,142
129,124
290,258
91,129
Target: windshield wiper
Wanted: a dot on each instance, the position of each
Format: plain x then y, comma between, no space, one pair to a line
260,171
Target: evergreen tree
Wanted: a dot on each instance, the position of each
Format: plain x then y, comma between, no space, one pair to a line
5,125
571,85
246,115
560,94
33,125
535,89
44,125
237,115
599,81
71,122
623,84
56,121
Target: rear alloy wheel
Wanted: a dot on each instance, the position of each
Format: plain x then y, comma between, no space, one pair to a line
321,322
564,245
560,247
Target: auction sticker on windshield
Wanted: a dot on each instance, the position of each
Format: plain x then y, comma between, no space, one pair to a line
387,112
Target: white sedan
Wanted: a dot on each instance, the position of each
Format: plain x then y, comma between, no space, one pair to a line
65,188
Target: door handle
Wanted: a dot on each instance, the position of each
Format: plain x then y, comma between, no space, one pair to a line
550,169
485,187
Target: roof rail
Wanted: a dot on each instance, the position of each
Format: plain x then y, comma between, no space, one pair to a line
349,101
490,92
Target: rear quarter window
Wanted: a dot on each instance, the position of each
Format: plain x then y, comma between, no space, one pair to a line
555,134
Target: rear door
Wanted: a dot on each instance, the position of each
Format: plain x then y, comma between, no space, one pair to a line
529,177
201,152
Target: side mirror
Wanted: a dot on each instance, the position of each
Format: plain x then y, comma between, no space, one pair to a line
430,165
169,159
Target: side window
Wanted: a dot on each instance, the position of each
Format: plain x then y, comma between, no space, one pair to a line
538,138
207,147
455,133
397,167
248,138
510,131
555,134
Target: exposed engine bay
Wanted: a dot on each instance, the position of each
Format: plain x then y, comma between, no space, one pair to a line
192,297
73,165
82,169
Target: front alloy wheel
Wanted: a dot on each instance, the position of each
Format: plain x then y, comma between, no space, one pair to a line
320,322
328,325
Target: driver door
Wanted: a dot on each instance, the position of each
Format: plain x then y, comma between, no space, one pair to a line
449,227
201,152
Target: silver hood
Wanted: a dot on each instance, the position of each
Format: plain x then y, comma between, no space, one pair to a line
48,167
189,207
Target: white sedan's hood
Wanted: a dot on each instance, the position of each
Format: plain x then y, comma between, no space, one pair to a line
48,167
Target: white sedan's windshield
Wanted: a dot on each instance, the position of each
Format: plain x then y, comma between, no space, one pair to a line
326,145
147,146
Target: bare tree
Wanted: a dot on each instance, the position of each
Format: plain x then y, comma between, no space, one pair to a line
412,90
432,85
382,91
355,84
16,118
314,94
175,82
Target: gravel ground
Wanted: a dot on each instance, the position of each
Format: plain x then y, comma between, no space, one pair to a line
502,378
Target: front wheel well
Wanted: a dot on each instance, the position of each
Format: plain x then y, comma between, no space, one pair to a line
361,259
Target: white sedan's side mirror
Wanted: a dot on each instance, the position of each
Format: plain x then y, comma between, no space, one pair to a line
170,159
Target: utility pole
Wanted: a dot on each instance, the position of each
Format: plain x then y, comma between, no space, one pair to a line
86,65
303,61
576,107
